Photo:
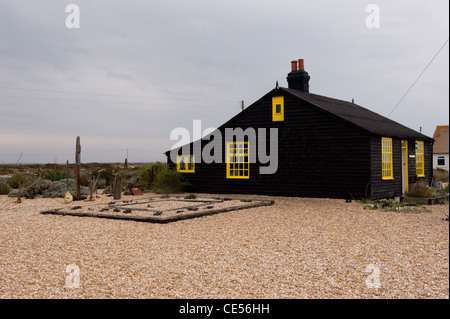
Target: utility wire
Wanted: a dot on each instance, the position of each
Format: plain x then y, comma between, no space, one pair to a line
102,102
420,75
412,85
111,95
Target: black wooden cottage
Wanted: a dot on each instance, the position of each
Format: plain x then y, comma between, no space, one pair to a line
326,148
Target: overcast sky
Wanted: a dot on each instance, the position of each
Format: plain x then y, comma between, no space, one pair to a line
135,70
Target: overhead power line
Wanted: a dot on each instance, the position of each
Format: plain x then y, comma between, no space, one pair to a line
114,95
412,85
420,75
101,102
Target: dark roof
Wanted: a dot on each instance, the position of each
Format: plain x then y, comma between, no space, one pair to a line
359,116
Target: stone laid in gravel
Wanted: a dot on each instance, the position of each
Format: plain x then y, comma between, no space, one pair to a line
296,248
163,210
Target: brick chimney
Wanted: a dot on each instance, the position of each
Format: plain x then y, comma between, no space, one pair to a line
298,78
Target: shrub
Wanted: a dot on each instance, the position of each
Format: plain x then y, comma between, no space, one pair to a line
421,190
440,175
148,174
4,187
38,187
54,174
168,181
14,180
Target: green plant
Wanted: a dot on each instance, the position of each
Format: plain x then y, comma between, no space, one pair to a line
4,187
168,181
14,180
54,174
148,174
421,190
440,175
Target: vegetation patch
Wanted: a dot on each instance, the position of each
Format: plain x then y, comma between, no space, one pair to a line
391,205
169,182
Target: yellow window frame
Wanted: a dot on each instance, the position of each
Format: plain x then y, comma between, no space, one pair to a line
277,108
186,164
237,160
387,169
420,159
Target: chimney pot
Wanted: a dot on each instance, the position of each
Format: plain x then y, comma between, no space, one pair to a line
298,78
301,65
293,65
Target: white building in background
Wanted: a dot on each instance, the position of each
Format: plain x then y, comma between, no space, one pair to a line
440,147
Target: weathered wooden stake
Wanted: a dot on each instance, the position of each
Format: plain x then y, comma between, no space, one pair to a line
77,168
67,174
19,200
92,186
118,187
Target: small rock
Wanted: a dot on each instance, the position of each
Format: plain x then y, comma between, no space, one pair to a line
68,198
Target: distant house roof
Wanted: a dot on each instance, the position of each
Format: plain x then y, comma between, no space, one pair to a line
359,116
441,140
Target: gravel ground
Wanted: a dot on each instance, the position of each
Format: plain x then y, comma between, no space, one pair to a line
297,248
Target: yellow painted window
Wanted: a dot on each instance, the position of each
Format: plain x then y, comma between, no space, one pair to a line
186,164
278,108
237,159
387,171
420,160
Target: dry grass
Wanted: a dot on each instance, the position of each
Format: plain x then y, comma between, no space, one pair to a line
297,248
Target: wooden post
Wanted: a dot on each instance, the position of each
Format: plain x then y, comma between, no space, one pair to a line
67,174
77,168
19,200
118,187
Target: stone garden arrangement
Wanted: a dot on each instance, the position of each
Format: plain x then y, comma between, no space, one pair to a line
160,209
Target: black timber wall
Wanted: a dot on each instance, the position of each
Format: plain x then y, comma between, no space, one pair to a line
380,188
319,155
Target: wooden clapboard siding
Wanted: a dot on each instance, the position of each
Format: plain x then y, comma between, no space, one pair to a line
319,156
323,151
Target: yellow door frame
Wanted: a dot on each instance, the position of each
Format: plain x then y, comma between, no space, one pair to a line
405,147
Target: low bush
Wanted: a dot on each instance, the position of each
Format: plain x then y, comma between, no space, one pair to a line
148,174
54,174
14,180
168,182
421,190
4,187
440,175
